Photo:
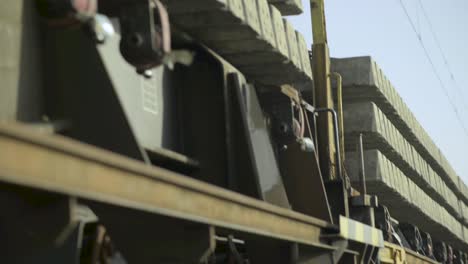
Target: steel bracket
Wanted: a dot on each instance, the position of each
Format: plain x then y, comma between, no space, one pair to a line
146,34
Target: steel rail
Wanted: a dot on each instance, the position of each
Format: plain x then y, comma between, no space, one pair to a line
57,164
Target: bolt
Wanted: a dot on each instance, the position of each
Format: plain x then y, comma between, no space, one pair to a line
147,74
136,39
100,38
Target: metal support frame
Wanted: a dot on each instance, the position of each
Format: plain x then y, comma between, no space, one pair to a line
362,169
60,165
339,110
38,227
328,128
336,139
323,92
300,169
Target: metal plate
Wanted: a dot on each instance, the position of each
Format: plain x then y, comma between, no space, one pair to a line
146,101
260,146
303,181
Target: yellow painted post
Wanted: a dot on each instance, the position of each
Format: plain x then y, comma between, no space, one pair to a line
323,93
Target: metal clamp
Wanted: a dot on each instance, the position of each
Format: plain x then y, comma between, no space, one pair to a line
233,249
146,34
336,137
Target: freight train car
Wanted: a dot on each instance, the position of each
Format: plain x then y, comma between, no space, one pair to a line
206,131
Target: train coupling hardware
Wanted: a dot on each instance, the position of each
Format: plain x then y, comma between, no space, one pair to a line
146,37
229,250
74,13
300,124
144,27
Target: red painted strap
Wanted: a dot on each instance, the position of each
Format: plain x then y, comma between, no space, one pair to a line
165,26
85,6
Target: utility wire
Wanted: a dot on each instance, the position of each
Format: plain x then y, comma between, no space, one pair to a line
449,69
434,69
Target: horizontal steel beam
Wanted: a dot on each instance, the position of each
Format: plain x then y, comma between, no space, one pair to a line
395,254
57,164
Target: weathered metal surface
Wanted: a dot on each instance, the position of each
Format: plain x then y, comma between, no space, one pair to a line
304,182
393,254
20,62
64,166
97,123
39,227
147,238
260,148
357,231
323,93
146,34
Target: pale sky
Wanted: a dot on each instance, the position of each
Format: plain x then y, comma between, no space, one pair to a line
379,28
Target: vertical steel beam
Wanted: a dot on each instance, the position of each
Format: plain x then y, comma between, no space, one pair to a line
323,99
362,169
323,93
339,111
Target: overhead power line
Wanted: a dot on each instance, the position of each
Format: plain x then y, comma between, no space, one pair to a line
434,69
439,46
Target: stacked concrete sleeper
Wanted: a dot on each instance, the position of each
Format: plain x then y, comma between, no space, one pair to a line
379,133
250,34
286,7
406,201
406,169
365,81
